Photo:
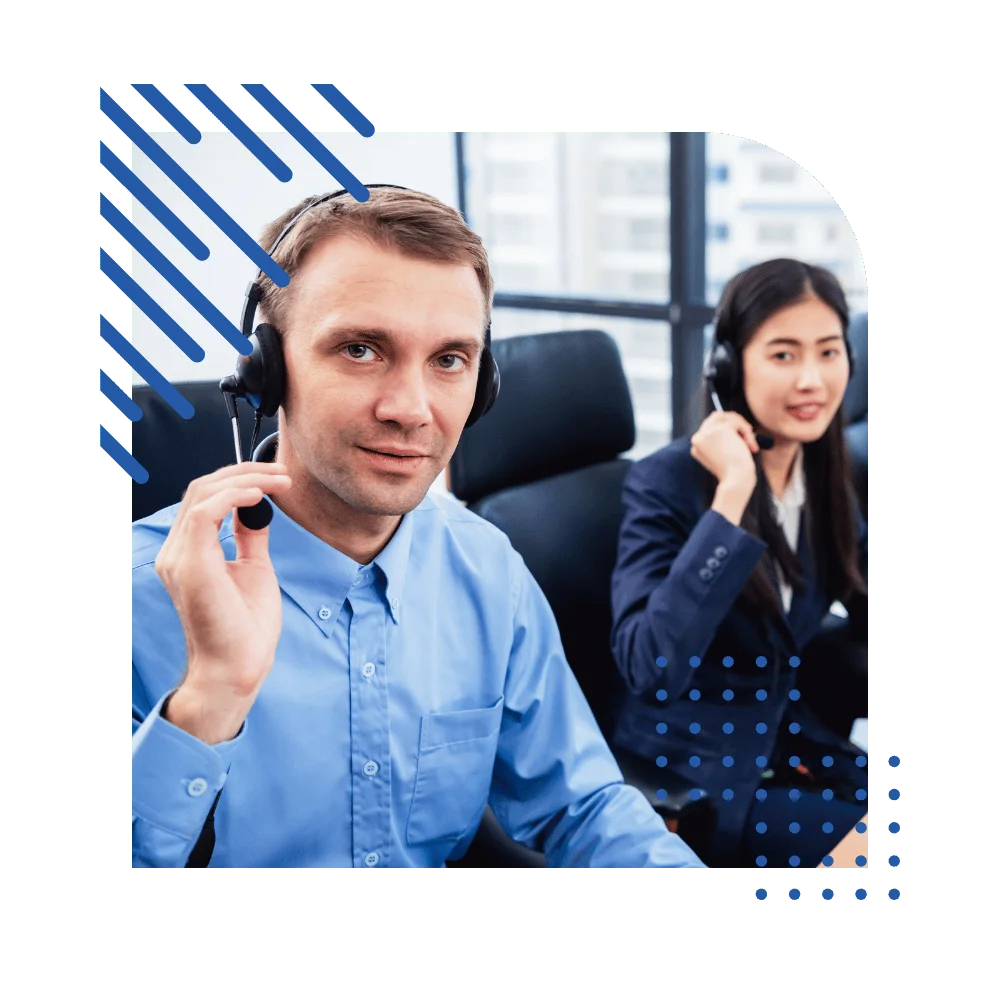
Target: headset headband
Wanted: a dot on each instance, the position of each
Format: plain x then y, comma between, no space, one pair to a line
252,296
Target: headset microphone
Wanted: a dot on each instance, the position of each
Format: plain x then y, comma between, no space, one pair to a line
259,516
722,372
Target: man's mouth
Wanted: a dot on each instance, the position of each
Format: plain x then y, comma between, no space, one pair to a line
394,452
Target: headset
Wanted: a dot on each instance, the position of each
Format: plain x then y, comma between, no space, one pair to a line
260,376
724,376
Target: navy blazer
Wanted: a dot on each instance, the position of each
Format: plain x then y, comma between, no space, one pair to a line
675,618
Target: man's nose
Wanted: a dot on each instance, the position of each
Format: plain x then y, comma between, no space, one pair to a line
403,398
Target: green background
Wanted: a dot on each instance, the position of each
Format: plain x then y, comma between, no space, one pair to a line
886,109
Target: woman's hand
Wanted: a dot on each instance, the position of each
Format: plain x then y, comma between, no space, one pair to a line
725,445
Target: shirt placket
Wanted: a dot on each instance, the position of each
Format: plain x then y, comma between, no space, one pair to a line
370,764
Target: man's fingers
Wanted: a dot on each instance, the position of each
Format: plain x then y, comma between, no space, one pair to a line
209,513
267,481
198,488
251,544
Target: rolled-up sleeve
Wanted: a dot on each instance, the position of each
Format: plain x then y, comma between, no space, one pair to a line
556,787
677,576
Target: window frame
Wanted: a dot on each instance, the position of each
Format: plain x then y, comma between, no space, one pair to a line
684,307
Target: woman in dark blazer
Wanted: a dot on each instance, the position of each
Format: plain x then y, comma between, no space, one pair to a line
730,555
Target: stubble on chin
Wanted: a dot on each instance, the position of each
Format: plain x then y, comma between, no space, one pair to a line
375,498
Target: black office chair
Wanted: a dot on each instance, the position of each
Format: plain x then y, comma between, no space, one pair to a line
856,408
174,450
545,466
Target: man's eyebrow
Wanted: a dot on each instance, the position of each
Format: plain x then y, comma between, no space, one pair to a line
384,338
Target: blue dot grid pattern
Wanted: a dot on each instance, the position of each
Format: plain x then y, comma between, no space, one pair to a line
860,861
794,794
186,238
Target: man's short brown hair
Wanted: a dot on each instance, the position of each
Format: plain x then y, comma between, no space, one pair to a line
409,222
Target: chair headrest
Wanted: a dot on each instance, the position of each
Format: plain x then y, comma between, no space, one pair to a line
856,397
174,450
564,404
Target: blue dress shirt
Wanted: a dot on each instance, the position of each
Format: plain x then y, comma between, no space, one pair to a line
404,696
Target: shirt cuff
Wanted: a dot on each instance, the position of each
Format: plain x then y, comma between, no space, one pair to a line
175,776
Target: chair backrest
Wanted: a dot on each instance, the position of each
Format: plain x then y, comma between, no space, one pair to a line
856,408
174,450
544,467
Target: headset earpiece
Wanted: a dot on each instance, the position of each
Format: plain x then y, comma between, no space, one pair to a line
487,386
722,371
260,375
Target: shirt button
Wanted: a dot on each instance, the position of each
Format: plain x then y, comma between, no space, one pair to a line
394,603
713,563
358,580
370,768
706,574
368,670
371,859
721,552
197,786
324,612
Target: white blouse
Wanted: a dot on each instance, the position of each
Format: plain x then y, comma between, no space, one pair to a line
788,514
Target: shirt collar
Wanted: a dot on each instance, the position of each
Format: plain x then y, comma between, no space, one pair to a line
795,492
309,565
319,578
313,574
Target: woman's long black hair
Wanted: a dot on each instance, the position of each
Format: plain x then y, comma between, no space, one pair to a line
748,300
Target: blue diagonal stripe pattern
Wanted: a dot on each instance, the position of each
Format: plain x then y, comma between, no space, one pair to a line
354,117
241,130
150,307
152,203
194,191
226,327
120,454
146,370
120,397
307,140
169,112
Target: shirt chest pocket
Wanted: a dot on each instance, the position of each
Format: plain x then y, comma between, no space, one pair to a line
454,772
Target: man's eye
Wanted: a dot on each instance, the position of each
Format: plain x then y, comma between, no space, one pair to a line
358,352
451,362
782,356
832,352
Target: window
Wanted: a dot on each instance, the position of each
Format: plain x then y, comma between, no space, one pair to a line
775,232
609,231
774,208
570,213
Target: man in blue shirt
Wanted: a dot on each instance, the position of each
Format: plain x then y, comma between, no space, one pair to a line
351,685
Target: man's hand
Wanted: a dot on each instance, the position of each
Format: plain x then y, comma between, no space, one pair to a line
230,610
